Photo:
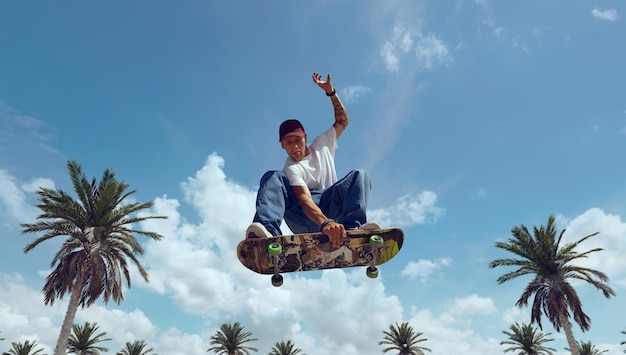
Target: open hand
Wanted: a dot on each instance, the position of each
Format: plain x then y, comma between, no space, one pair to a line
325,85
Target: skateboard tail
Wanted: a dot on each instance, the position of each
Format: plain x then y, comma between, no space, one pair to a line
391,249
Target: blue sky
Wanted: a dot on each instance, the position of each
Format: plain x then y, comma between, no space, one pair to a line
472,117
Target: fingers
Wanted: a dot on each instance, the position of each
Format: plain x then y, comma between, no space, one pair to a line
335,232
337,240
316,78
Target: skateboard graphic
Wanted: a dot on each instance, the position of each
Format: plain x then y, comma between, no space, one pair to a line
314,251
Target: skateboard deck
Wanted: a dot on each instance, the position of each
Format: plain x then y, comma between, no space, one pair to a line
314,251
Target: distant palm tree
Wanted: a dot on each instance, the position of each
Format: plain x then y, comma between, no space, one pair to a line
525,339
229,340
139,347
25,348
403,339
542,256
587,349
93,259
83,340
287,348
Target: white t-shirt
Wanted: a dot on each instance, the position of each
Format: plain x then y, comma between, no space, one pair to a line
317,169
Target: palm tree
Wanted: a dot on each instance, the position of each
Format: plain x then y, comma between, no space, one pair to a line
587,349
287,348
83,340
229,340
624,342
527,340
403,339
93,259
25,348
541,255
138,347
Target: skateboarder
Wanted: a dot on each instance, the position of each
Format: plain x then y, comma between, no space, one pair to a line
306,193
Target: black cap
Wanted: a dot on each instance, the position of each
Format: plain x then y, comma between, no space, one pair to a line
292,128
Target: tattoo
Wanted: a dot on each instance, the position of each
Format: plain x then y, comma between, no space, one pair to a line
340,115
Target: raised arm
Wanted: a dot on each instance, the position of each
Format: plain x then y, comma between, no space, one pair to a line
341,117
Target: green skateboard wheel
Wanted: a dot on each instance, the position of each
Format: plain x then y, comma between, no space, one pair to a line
376,240
277,280
372,272
274,249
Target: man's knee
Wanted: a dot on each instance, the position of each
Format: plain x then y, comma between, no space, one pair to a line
360,175
277,174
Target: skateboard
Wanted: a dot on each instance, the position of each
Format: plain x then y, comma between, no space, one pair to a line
314,251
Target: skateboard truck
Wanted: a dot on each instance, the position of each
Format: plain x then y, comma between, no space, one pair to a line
376,242
274,250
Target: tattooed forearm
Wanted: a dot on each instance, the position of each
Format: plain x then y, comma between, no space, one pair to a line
341,118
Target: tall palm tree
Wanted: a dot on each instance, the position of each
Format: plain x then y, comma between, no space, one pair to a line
93,259
587,349
287,348
25,348
83,340
138,347
527,340
403,339
229,340
542,256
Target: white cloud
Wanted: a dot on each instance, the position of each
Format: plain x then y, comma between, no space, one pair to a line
515,314
498,31
424,268
392,63
425,51
13,206
409,210
432,51
35,184
519,44
444,338
611,239
175,342
120,325
354,93
20,133
472,305
609,15
23,315
489,18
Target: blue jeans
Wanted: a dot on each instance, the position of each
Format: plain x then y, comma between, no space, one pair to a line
345,202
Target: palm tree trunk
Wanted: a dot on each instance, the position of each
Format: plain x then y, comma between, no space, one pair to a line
70,314
571,341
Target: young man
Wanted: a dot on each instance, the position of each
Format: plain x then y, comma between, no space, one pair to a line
306,192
